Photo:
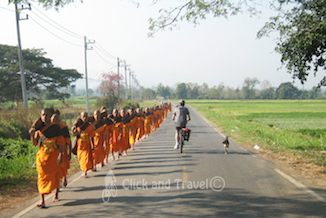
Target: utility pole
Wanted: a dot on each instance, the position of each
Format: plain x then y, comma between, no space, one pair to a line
86,77
118,79
126,80
20,56
130,84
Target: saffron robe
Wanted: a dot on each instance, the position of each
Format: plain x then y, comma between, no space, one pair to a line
48,175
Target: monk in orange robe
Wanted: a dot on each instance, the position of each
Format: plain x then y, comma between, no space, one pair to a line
49,156
99,139
133,128
116,133
108,132
65,165
84,131
147,122
124,142
140,124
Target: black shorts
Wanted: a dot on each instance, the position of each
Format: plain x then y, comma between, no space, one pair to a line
178,127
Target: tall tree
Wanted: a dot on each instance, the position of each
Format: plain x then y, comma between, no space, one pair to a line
248,88
301,42
204,91
149,94
287,91
40,74
109,85
192,90
267,91
163,91
181,91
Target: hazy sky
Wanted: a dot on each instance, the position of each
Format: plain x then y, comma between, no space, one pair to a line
216,51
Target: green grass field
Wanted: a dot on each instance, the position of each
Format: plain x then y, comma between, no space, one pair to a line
297,126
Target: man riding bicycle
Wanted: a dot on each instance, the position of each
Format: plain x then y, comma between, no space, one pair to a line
180,116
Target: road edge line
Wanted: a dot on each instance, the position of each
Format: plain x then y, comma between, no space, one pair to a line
21,213
300,185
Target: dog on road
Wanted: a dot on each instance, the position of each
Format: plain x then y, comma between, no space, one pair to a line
226,144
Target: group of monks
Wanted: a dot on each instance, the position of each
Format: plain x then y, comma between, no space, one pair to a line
97,137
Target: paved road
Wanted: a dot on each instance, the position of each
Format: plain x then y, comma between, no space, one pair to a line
157,181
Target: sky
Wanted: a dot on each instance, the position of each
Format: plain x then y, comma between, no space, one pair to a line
216,51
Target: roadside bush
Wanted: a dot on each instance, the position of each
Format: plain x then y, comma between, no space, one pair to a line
13,130
109,103
17,158
130,104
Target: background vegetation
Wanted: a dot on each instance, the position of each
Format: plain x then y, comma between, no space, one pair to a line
291,126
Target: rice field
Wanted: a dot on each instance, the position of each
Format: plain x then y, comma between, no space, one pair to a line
294,125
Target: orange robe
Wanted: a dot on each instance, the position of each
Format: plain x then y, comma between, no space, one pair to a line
46,159
133,131
84,149
109,135
65,165
140,128
99,152
116,141
125,144
147,124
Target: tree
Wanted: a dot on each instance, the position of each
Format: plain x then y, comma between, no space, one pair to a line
287,91
109,88
149,94
181,91
110,84
41,76
163,91
192,90
230,93
302,30
47,3
203,91
267,91
248,88
195,10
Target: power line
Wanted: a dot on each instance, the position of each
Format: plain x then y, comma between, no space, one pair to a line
63,29
7,9
103,58
104,51
55,34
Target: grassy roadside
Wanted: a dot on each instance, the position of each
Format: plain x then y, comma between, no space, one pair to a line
294,130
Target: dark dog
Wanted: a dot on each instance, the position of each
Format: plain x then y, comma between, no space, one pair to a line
226,144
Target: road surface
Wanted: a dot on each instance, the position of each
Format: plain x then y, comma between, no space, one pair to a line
155,180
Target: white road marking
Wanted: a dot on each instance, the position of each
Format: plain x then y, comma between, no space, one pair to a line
298,184
21,213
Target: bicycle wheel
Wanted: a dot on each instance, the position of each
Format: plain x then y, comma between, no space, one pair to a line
181,140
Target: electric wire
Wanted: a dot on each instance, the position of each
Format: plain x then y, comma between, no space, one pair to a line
63,29
103,58
54,34
104,51
7,9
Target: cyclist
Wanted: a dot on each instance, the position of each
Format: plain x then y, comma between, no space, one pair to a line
180,116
